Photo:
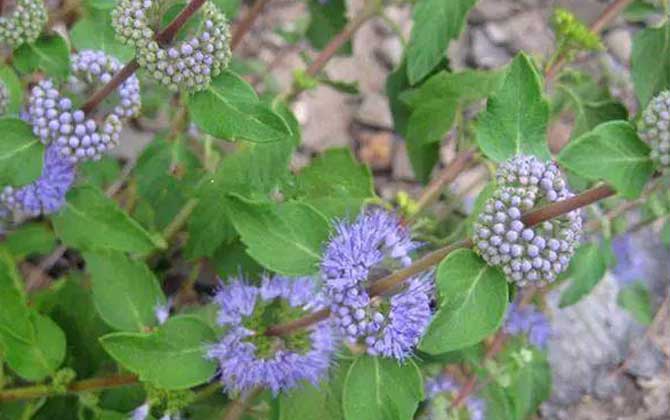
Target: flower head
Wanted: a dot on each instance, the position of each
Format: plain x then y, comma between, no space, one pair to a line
630,265
528,320
247,357
358,252
24,24
46,195
655,129
4,98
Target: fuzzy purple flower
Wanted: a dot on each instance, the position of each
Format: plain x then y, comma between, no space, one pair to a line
46,195
528,320
248,358
141,412
442,390
630,266
356,254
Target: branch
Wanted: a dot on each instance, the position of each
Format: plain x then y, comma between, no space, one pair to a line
605,18
246,23
94,384
163,37
565,206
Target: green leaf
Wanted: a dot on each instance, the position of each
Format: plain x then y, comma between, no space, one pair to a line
307,401
472,302
254,171
31,238
436,22
623,159
13,84
125,291
20,153
171,358
516,117
286,238
335,184
498,404
35,360
586,269
14,312
49,53
650,62
99,173
229,7
531,386
327,19
635,299
90,221
96,32
229,109
376,388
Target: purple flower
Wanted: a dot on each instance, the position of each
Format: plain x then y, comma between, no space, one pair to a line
46,195
162,311
630,266
356,254
141,412
528,320
248,358
443,386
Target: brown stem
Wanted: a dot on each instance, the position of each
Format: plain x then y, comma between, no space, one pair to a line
236,408
246,23
432,192
94,384
605,18
565,206
163,37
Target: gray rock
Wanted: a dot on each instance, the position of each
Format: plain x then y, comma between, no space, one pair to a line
374,111
620,43
402,169
487,54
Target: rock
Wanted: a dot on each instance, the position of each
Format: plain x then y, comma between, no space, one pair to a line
527,31
402,168
487,10
620,43
374,111
376,149
485,53
327,119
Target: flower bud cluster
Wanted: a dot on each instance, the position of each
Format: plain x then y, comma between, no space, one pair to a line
45,195
24,24
189,64
355,255
4,98
527,254
54,118
655,129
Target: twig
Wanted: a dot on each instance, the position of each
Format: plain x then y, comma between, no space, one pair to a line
94,384
163,37
565,206
432,192
237,408
246,23
607,16
180,219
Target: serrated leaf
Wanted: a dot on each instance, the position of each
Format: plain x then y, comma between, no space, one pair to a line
96,33
14,312
586,269
125,291
21,153
327,19
286,238
254,171
335,184
13,84
650,62
622,158
173,357
436,22
90,221
49,53
635,299
229,109
472,300
40,357
516,117
31,238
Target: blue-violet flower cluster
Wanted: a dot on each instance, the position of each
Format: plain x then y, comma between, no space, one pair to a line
247,357
441,391
357,253
529,321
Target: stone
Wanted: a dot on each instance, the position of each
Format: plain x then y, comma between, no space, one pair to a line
620,43
374,112
402,168
485,53
376,149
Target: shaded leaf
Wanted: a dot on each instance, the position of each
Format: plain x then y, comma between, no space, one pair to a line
21,153
586,269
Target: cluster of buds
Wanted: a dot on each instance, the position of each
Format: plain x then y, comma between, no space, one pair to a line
655,129
527,254
24,24
189,64
55,120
